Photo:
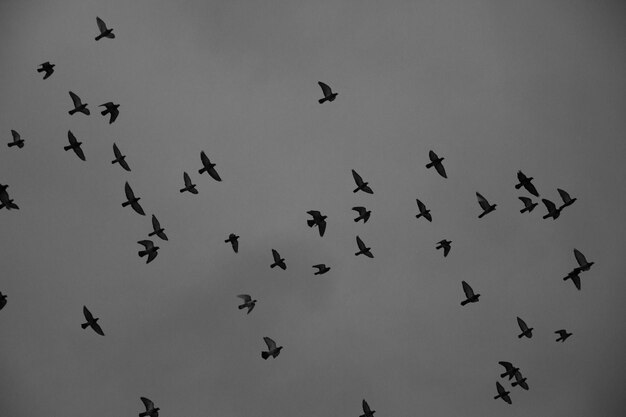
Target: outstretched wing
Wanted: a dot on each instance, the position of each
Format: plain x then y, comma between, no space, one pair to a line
204,159
213,173
187,180
71,138
357,178
580,258
79,152
576,281
147,403
531,189
469,292
325,89
322,227
96,328
87,314
101,25
275,255
75,99
116,152
446,250
508,366
128,191
521,177
360,243
155,223
482,201
245,297
420,206
549,205
16,136
147,244
564,195
522,324
366,408
432,156
271,345
360,210
440,169
527,201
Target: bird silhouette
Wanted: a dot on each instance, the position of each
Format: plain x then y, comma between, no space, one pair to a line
510,370
367,411
364,214
150,250
151,411
563,335
272,350
575,277
360,184
520,380
91,322
104,33
552,210
208,166
502,393
424,212
446,245
567,200
328,93
233,239
528,332
17,140
74,145
435,161
3,300
484,204
248,302
111,109
470,297
363,250
131,200
119,158
189,186
5,200
157,229
46,67
278,261
525,182
318,220
582,261
529,205
321,269
79,106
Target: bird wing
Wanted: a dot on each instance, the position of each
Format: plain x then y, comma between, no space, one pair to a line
71,137
520,176
360,243
235,244
580,258
271,345
275,255
522,324
75,99
432,156
124,165
108,104
507,365
325,89
500,388
549,205
531,189
147,403
440,169
155,223
245,297
482,201
368,190
366,408
320,267
357,178
322,227
251,307
114,114
187,180
213,173
360,210
469,292
420,206
79,152
96,328
16,136
576,281
148,244
87,314
151,256
446,250
561,333
128,191
316,214
564,195
205,159
101,25
527,201
116,152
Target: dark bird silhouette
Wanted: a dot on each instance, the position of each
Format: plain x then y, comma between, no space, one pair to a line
435,161
104,33
321,269
74,145
364,214
189,186
446,245
424,212
360,184
111,109
278,261
150,250
528,332
318,220
509,368
79,106
248,302
3,300
575,277
363,250
119,158
208,166
46,67
484,204
272,350
563,335
525,182
502,393
367,411
520,380
552,210
5,200
91,322
567,200
328,93
470,297
131,200
582,261
17,140
233,239
151,411
528,204
157,229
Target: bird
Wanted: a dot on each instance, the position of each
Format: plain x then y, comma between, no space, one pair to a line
364,214
119,158
552,210
470,297
157,229
189,186
248,302
3,300
360,184
575,277
318,220
525,182
363,250
46,67
272,350
17,140
582,261
484,204
509,368
567,200
435,161
104,32
74,145
151,411
321,269
208,166
446,245
91,322
563,335
233,239
5,200
424,212
278,261
502,393
150,250
367,411
529,205
111,109
520,380
328,93
79,106
131,200
526,331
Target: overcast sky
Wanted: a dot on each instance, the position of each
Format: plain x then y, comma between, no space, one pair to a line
492,86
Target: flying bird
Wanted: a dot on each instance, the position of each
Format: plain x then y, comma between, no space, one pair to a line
470,297
248,302
233,239
367,411
272,350
131,200
104,33
79,106
360,184
119,158
111,109
567,200
529,205
150,250
502,393
74,145
189,186
563,335
208,166
151,411
3,300
484,204
552,210
321,269
446,245
328,93
91,322
364,214
582,261
5,200
575,277
46,67
424,212
525,182
318,220
528,332
509,368
278,261
17,140
435,161
157,229
363,250
520,380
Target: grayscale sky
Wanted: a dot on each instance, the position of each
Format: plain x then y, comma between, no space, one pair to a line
492,86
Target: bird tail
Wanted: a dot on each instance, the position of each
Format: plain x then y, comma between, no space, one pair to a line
152,234
203,170
355,190
103,112
464,302
417,216
126,203
84,325
241,307
481,215
496,397
265,355
519,336
67,148
273,265
143,253
503,375
430,165
85,111
518,186
524,210
310,223
98,38
72,111
39,69
357,219
322,100
182,190
12,144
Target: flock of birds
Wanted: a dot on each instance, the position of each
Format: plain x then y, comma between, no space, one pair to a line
317,220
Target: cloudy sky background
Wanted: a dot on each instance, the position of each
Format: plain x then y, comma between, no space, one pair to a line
492,86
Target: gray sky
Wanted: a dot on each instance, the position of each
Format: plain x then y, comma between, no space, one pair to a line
492,86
